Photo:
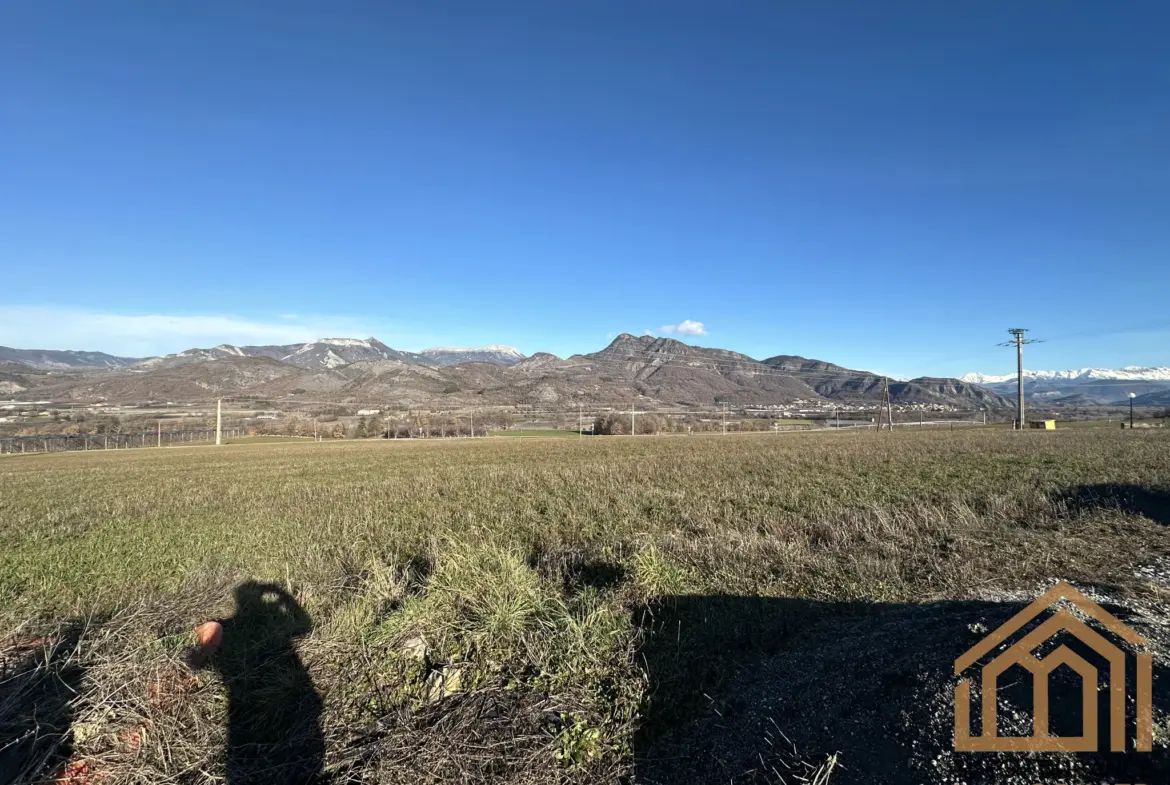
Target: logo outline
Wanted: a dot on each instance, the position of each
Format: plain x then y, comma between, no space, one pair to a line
1020,653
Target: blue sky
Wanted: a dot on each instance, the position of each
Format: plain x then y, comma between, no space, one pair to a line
885,186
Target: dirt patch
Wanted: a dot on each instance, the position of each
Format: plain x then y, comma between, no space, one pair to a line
754,679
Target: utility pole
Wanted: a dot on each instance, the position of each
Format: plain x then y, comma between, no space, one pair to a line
887,407
1131,397
725,418
218,419
160,433
633,431
1018,340
580,422
1019,334
473,423
837,417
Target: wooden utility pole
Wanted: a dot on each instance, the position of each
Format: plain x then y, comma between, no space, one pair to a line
633,431
218,419
473,423
580,422
160,433
725,418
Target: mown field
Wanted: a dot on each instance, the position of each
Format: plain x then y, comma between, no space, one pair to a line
500,610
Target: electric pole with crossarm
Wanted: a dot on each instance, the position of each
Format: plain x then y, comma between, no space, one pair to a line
1018,340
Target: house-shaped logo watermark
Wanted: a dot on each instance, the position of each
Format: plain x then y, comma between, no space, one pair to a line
1022,653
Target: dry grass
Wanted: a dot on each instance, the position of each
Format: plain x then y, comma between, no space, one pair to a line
470,603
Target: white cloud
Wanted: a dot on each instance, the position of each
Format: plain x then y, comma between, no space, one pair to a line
139,335
685,327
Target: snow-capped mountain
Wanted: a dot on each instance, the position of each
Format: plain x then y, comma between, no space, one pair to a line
224,350
329,353
1079,385
1128,373
445,355
335,352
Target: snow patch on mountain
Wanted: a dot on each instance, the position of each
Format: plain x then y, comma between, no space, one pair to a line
1128,373
494,348
347,342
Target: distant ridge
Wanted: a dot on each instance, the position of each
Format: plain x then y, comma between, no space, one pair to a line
500,355
1087,386
336,352
1128,373
51,359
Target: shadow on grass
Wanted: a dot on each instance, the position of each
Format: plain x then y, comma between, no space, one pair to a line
763,690
39,683
1152,503
576,571
274,712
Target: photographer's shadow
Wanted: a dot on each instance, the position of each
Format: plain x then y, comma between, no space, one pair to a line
274,713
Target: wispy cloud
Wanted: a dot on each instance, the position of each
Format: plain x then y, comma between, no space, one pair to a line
143,334
685,327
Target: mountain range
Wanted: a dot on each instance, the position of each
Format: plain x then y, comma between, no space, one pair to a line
52,359
348,370
324,353
1081,385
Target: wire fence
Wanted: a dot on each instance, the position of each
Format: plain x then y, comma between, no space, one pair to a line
347,421
80,442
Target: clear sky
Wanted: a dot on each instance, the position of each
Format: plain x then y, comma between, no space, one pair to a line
881,185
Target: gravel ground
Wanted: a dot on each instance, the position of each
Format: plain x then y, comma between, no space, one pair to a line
873,684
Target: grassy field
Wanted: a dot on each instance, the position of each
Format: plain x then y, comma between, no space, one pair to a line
476,610
550,432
